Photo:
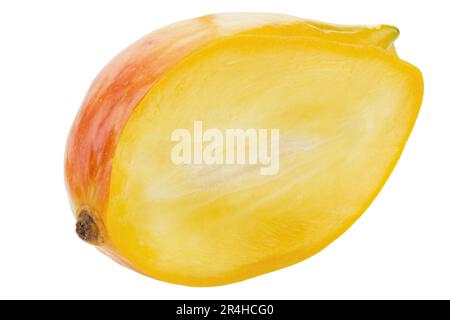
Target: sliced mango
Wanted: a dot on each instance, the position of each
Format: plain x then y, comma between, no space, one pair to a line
343,105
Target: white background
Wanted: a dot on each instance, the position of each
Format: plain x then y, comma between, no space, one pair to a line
50,52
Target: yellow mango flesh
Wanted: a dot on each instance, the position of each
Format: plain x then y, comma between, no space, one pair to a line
344,112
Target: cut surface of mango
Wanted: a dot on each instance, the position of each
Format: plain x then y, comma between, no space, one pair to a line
343,114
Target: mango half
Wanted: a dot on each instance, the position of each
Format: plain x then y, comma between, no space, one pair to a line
342,101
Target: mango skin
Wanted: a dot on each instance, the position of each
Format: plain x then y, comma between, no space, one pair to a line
124,82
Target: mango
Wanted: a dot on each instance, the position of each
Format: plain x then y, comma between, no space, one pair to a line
232,145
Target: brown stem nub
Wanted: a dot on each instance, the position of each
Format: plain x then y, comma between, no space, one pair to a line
87,229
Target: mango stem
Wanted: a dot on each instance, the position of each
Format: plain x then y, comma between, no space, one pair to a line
87,229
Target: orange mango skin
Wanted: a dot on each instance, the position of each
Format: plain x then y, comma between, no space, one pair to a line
121,85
